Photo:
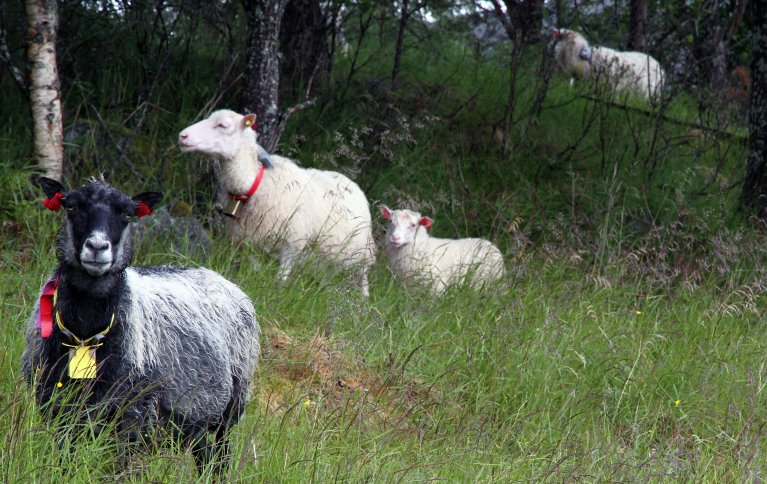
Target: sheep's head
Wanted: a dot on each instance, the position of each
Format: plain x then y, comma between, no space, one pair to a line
95,235
568,41
403,225
220,134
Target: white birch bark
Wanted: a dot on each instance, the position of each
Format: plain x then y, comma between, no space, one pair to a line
44,87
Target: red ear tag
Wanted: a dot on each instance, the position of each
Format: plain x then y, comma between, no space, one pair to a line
142,209
385,213
54,203
426,222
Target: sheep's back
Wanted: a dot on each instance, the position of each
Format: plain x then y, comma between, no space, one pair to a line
437,263
192,331
347,226
302,206
456,258
636,71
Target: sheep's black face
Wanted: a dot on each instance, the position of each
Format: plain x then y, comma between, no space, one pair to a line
95,236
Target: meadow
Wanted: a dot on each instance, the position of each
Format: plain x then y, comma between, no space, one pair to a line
625,344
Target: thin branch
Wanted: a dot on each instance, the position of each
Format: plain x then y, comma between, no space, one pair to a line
5,55
283,119
686,124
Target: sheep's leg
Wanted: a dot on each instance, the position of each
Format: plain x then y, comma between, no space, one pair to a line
136,430
196,438
220,450
289,256
362,279
209,450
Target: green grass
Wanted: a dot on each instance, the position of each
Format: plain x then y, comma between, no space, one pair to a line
556,374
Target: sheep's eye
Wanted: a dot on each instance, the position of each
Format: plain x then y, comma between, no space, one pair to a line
222,126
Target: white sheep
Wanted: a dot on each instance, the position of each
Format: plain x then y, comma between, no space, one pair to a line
634,72
432,262
285,208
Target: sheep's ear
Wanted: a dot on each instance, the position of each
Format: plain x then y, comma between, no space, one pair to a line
146,202
385,211
250,121
54,192
50,186
426,222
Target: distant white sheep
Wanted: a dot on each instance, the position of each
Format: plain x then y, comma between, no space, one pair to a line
283,207
634,72
432,262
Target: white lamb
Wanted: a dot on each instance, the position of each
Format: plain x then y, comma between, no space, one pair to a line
634,72
436,263
292,208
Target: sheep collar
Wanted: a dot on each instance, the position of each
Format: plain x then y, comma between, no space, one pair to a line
82,352
45,313
92,342
253,188
584,56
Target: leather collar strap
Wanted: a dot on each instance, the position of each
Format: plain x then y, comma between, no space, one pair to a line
45,313
253,188
96,338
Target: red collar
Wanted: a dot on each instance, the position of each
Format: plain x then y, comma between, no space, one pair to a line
45,312
253,188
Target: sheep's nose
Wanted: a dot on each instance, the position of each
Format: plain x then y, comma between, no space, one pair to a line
97,245
182,136
395,238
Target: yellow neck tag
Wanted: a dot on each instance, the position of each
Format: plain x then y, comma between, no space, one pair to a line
82,362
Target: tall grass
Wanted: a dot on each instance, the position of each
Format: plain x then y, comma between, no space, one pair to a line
551,375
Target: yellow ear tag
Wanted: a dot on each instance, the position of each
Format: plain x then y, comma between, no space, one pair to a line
248,122
82,362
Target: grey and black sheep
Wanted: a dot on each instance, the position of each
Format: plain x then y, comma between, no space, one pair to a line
173,347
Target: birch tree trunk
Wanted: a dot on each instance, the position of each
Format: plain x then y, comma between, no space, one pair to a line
754,197
261,84
44,87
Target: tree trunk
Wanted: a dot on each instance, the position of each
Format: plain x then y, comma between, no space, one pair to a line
44,87
399,46
637,25
754,197
261,84
304,47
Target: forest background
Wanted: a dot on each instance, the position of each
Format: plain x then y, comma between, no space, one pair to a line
626,342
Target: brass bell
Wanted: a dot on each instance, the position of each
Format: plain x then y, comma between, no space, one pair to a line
233,208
